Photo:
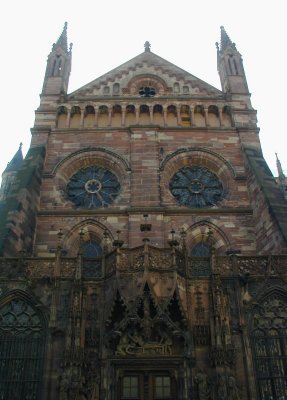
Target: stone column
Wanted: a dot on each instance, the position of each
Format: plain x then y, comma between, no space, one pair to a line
123,116
165,115
96,116
220,116
82,118
191,115
68,118
151,114
137,114
110,116
178,115
206,116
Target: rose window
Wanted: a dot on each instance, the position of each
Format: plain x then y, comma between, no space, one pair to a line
196,187
93,187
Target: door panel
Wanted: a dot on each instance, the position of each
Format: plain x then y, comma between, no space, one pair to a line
147,385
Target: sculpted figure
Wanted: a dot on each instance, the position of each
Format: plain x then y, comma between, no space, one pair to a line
221,388
232,389
202,385
65,381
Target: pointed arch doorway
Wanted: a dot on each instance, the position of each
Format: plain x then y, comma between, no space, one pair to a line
149,347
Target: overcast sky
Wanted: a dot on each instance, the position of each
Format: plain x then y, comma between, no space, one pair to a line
107,33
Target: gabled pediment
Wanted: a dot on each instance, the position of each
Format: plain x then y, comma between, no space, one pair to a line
145,70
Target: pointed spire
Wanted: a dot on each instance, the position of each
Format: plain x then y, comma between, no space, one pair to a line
62,40
279,168
16,162
281,180
225,40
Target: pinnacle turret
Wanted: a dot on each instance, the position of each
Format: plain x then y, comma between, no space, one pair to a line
281,180
58,66
230,67
16,162
279,168
9,174
225,40
62,40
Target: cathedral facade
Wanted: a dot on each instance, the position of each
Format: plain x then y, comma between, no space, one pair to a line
143,241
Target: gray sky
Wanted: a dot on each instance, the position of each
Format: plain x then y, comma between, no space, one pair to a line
106,34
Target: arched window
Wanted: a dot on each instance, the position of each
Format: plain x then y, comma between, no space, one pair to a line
116,88
92,249
62,117
269,345
92,263
185,90
200,259
106,90
53,67
176,88
22,341
201,249
59,67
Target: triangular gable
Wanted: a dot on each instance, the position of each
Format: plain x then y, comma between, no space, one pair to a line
146,66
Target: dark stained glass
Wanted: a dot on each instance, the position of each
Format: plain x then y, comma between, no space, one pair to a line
93,187
92,264
147,91
92,249
196,186
21,351
269,339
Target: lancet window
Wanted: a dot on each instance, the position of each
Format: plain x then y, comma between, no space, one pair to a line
22,340
269,344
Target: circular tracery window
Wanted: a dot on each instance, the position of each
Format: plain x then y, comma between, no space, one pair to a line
93,186
196,187
147,91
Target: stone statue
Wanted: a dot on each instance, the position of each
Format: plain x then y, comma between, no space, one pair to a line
232,389
147,46
65,381
221,388
202,385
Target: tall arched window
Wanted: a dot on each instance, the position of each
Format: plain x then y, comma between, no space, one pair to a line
200,259
92,252
22,341
201,249
269,345
92,249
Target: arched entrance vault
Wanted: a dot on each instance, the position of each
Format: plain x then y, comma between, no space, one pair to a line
148,344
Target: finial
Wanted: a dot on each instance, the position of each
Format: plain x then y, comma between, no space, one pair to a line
173,242
280,169
16,162
183,233
225,40
117,243
147,46
60,236
145,227
209,235
62,40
